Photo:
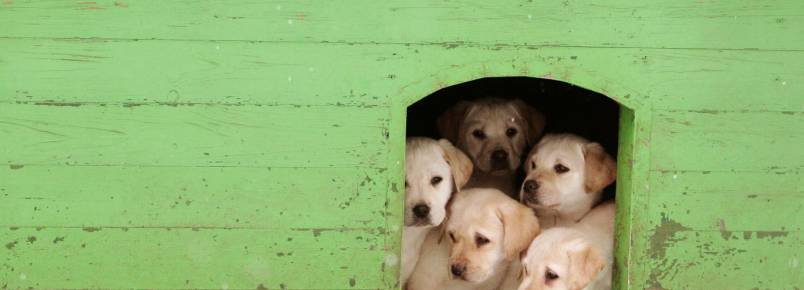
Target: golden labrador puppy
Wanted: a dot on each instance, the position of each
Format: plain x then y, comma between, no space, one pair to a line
565,177
494,133
434,170
483,235
572,258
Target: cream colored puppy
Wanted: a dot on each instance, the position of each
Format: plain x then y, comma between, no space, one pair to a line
433,171
565,177
494,133
484,233
572,258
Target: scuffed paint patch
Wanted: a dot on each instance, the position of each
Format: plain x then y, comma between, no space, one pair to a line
662,238
726,234
771,234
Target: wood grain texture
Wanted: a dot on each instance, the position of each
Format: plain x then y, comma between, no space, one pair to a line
728,141
147,258
253,136
742,24
149,72
191,197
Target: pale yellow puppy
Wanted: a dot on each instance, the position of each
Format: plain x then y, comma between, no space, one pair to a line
483,235
572,258
495,134
434,170
566,175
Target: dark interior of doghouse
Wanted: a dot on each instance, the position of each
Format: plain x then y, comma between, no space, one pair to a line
567,108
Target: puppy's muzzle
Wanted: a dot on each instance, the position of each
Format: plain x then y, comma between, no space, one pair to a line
530,189
499,159
458,270
421,211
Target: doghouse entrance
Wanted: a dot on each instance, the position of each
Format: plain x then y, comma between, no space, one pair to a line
567,109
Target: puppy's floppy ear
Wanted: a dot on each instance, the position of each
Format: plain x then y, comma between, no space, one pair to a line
450,121
601,170
584,263
520,227
460,165
534,119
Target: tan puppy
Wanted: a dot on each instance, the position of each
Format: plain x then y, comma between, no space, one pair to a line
494,133
565,177
573,258
433,171
484,233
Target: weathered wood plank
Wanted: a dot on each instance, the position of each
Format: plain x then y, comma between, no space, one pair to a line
683,259
728,141
731,213
192,197
143,73
719,183
615,23
239,136
137,258
148,73
730,201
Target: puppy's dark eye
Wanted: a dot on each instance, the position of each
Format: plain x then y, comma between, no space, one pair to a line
533,165
511,132
560,168
549,275
436,180
452,237
480,240
479,134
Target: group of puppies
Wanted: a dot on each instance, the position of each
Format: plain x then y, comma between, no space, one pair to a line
471,224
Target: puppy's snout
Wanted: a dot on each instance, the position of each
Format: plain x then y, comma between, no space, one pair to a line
531,186
421,211
499,155
458,269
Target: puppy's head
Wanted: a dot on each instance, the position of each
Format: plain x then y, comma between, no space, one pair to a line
565,174
493,132
433,170
558,259
486,229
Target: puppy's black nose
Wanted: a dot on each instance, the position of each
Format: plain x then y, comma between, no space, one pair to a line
421,211
458,269
499,155
531,186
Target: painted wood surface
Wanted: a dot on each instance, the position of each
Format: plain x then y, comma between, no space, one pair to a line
258,144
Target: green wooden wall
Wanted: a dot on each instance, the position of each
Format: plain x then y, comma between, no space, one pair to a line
152,144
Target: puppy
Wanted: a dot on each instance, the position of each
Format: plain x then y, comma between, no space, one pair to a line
433,171
484,233
565,177
572,258
494,133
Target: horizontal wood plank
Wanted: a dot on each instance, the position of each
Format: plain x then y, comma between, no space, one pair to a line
192,197
618,23
683,259
727,141
728,213
242,136
60,258
152,73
